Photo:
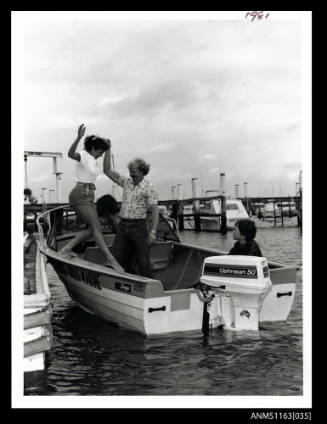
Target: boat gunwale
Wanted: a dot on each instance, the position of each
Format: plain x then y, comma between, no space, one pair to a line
49,251
91,266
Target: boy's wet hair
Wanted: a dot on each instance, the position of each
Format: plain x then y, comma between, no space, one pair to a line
96,142
107,205
247,228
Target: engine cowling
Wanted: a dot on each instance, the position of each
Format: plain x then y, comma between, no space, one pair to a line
245,280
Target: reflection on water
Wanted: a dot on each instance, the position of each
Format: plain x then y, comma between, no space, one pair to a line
91,356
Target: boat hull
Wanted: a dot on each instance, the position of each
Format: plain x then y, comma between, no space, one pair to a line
213,224
166,312
142,305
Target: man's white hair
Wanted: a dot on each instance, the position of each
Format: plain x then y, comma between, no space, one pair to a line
141,165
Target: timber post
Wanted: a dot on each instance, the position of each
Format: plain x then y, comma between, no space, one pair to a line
223,217
274,214
196,204
180,207
281,213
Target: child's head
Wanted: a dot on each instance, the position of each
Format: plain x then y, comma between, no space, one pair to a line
246,228
107,205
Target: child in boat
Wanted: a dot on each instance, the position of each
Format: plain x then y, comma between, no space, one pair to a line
82,195
245,232
108,210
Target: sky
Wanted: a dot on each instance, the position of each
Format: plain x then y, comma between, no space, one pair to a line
193,97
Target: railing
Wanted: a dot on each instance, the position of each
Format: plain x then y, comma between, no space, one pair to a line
49,217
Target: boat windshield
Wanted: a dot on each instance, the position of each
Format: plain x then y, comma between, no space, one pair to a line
167,228
231,206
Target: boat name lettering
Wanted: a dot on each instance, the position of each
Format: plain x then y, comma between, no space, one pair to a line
231,271
82,275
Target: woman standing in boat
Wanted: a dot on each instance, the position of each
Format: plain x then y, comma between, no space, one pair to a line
245,232
82,195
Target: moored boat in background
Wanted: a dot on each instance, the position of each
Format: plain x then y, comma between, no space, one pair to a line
235,210
271,210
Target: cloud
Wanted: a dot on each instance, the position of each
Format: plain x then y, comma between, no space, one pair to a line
207,157
182,94
151,100
161,148
213,170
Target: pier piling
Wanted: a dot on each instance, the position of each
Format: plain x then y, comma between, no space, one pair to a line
196,204
173,193
274,213
180,207
223,218
299,216
237,191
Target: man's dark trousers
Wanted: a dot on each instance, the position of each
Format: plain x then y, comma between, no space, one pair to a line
132,236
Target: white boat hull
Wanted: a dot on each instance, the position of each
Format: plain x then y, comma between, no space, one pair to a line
235,211
179,310
213,224
165,311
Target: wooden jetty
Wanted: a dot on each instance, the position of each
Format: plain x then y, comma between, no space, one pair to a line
175,207
280,211
37,317
176,210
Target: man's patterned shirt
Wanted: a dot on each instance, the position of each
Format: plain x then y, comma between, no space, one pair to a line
136,200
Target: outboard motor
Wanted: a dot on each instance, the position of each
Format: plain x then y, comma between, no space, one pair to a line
240,284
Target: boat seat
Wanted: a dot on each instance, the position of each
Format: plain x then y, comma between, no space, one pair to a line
160,253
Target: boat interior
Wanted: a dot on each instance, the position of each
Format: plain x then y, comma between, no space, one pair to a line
176,264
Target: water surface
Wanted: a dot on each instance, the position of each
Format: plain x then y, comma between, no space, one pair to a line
91,356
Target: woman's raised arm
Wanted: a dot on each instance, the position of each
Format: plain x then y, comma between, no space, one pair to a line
72,151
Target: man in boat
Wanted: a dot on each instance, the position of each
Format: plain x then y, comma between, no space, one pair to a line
138,197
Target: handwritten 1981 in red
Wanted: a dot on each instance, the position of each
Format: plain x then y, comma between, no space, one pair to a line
256,15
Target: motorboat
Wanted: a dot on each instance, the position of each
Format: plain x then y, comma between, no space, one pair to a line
193,288
235,210
278,209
